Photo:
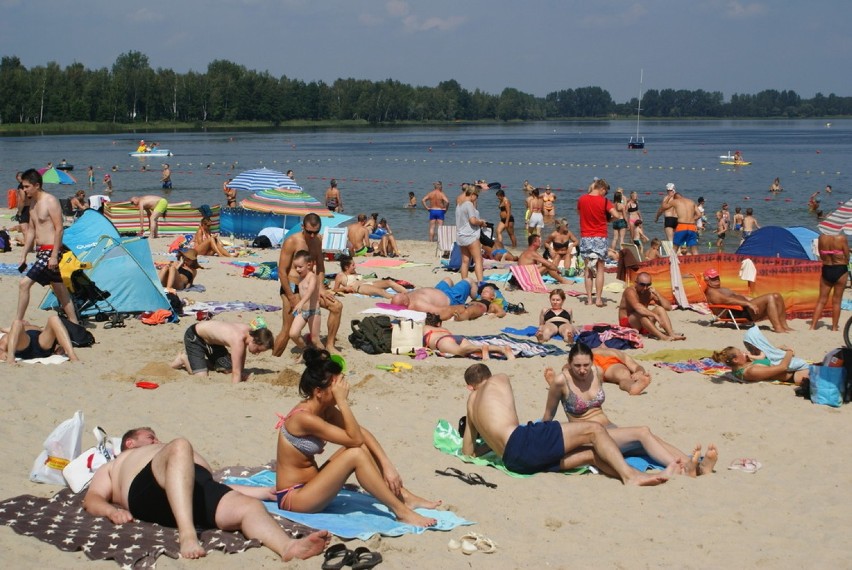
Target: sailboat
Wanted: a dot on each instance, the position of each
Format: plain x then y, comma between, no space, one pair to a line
638,143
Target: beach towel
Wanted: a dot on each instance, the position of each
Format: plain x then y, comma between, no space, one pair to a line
706,366
612,336
61,521
52,359
527,331
216,307
402,313
382,262
9,269
528,278
352,514
520,348
754,337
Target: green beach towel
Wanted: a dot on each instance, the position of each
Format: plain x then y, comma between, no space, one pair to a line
447,440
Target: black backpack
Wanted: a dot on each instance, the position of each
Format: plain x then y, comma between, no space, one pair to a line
372,334
80,335
262,242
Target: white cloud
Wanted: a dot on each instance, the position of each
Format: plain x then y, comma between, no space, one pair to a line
738,10
401,10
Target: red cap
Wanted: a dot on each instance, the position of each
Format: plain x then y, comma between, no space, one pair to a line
711,273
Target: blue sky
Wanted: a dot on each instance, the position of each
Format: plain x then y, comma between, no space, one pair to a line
537,46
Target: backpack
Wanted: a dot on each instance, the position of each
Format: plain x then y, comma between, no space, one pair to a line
372,334
5,241
80,335
262,242
454,262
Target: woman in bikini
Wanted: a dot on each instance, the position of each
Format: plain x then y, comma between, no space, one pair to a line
206,243
756,368
580,390
617,367
834,254
333,201
180,274
549,207
324,416
633,214
348,281
619,224
556,320
27,342
561,243
507,219
440,339
230,194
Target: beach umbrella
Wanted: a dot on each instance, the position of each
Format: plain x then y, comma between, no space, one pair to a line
262,179
53,176
285,201
839,221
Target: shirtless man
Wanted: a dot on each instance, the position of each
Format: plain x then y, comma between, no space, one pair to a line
531,256
310,240
668,212
447,300
217,345
155,482
358,237
45,229
166,178
437,203
770,306
152,207
645,310
543,446
686,232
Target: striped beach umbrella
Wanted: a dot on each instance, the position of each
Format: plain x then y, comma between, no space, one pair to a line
53,176
285,201
839,221
262,179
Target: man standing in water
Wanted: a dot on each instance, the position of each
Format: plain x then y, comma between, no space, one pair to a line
436,202
668,212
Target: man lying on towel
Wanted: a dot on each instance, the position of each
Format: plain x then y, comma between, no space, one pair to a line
171,485
449,300
542,446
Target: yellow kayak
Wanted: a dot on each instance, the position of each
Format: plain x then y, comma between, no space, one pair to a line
732,163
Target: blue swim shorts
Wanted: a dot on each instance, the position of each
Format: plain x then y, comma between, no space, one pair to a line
458,293
689,238
535,448
437,214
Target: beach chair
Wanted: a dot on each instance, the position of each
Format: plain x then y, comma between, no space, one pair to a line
334,242
634,251
446,238
723,314
528,278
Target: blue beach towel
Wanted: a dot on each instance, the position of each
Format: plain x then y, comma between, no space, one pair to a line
351,514
527,331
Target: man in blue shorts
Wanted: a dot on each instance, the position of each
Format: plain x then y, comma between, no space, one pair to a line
444,299
437,203
541,446
686,231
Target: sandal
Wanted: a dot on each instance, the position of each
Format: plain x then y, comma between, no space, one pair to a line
362,558
336,557
470,479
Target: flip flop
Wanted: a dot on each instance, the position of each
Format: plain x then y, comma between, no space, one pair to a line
470,479
362,558
746,465
336,557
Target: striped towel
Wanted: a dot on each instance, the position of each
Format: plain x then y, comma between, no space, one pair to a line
529,278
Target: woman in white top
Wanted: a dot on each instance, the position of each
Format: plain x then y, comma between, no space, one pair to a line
469,224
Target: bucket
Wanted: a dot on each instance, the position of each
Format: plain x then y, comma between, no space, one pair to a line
12,198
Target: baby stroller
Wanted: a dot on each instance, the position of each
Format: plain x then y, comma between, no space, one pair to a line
87,296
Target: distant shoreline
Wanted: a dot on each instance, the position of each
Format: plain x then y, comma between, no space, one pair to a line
96,128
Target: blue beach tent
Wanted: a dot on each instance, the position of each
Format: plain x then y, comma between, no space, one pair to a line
775,241
121,266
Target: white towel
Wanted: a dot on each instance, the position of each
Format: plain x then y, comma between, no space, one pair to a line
748,272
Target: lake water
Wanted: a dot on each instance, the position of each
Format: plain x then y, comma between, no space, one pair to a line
376,168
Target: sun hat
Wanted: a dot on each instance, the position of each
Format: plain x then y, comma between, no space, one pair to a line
190,254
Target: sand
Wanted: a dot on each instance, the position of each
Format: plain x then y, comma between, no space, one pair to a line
791,513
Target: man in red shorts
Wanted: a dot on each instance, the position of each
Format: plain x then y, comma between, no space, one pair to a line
645,310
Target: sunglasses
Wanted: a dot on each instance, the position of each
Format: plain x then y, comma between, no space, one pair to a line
643,284
312,232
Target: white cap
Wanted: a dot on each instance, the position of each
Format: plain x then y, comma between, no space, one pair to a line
670,186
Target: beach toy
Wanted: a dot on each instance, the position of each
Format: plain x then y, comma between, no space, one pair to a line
402,365
386,367
339,360
147,385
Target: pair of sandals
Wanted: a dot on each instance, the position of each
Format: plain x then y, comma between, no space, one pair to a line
473,542
361,558
469,478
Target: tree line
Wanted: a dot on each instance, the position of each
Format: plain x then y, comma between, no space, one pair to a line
132,92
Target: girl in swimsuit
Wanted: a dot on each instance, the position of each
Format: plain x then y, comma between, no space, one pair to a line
348,281
206,243
26,342
633,214
756,368
440,339
180,274
619,224
555,320
580,390
834,254
561,243
324,416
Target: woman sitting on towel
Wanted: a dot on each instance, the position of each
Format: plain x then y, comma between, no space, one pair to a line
756,367
440,339
580,390
560,243
556,320
179,275
324,416
206,243
28,342
348,281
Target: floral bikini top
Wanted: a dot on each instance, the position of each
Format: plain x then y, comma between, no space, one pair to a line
576,406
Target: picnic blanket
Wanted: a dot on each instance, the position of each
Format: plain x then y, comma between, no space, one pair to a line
216,307
352,514
60,520
524,349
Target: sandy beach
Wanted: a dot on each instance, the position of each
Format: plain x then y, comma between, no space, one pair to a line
792,513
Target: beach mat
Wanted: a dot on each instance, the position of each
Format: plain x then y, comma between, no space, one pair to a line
352,514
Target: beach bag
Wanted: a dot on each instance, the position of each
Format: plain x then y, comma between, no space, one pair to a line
60,447
827,385
373,335
455,260
486,235
406,336
80,471
5,241
262,242
81,337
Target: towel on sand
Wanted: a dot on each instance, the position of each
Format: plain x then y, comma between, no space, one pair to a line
520,348
526,331
352,514
61,521
754,337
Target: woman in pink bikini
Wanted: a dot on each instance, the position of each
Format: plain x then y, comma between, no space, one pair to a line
324,416
834,254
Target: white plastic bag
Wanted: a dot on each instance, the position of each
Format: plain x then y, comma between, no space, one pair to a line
406,336
60,447
80,471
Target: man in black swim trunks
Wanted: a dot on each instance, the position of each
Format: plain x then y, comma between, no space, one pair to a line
667,210
171,485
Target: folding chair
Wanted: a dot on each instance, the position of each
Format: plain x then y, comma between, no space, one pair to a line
528,278
634,251
724,313
334,242
446,238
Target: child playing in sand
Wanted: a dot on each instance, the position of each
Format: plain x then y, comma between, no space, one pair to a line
307,310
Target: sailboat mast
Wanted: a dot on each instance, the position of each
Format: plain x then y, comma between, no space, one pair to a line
639,102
